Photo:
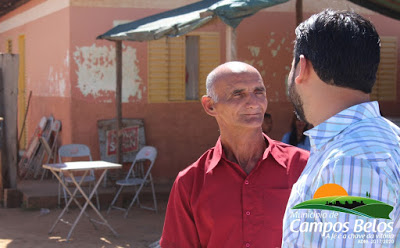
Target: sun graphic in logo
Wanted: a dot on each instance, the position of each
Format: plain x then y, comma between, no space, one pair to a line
334,197
330,189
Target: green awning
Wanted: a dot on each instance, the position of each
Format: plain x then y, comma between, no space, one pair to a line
389,8
182,20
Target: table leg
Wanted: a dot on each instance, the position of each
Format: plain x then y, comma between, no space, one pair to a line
88,202
72,198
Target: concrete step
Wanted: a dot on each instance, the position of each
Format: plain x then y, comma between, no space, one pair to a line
43,194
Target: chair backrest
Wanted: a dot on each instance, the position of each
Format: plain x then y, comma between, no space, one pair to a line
73,151
146,153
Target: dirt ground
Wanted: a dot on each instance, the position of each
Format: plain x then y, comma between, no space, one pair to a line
29,228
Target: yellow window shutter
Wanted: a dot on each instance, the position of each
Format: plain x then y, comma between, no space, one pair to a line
167,70
176,69
158,70
9,46
209,55
386,77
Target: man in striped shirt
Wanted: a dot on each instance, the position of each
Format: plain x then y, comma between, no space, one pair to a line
336,56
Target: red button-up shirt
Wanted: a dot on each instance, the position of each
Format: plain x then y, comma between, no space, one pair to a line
214,203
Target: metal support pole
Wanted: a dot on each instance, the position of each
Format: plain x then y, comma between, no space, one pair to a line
231,54
118,100
299,12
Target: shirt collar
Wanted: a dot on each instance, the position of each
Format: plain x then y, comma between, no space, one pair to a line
277,153
216,156
327,130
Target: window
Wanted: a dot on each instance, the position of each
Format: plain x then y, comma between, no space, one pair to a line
192,67
178,67
385,85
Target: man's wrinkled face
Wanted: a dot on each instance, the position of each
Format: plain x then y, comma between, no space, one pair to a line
294,95
242,99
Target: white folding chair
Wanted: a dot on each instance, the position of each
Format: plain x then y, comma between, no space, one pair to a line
138,175
75,151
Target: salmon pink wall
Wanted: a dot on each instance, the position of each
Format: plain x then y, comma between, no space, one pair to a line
46,68
268,47
180,131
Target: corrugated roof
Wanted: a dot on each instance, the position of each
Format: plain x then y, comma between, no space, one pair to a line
7,6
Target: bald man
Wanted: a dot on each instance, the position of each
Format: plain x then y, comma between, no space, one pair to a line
235,194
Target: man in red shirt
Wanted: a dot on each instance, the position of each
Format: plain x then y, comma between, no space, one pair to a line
235,194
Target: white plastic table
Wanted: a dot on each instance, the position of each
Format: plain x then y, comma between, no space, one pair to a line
85,167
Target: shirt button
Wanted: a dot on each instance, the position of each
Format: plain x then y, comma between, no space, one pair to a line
246,182
247,212
247,244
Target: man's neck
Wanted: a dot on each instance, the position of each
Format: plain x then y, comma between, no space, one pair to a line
329,100
244,148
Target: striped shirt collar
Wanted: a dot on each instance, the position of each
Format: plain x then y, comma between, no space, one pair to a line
327,130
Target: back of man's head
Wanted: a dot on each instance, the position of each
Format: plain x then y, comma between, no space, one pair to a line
343,47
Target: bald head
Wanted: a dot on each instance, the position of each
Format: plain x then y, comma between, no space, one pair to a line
228,68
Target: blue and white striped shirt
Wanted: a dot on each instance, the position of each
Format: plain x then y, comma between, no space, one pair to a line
359,150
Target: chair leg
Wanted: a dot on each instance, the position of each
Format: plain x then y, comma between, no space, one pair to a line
115,198
137,200
105,180
133,201
97,200
59,195
154,194
65,196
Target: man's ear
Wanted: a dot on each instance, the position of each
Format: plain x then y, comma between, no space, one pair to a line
303,70
208,105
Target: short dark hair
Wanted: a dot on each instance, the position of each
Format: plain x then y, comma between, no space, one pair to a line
343,47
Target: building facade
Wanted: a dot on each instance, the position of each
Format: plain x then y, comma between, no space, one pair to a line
72,75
